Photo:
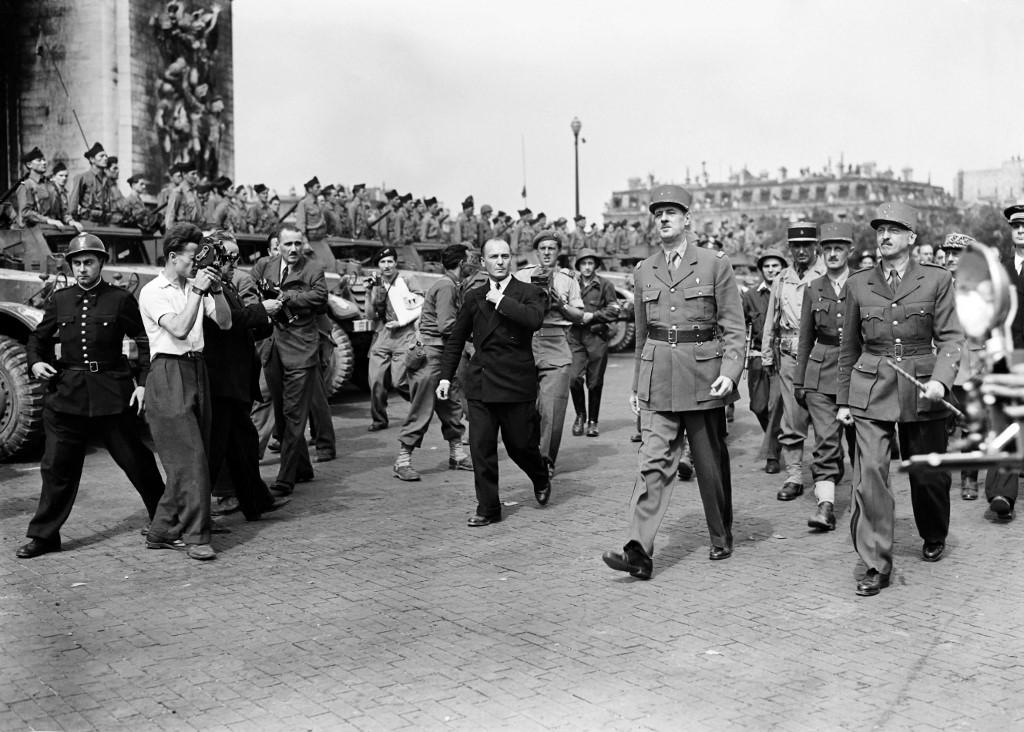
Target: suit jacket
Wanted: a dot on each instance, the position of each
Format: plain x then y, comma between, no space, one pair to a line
1017,327
502,367
304,291
920,316
233,367
817,364
700,293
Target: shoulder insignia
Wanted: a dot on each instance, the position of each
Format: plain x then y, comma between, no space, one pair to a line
933,266
637,265
720,254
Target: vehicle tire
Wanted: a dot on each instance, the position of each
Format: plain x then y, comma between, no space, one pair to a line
342,361
623,336
21,402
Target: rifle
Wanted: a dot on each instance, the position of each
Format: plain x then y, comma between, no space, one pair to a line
380,218
10,191
288,213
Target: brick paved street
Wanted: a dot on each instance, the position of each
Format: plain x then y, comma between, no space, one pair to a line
368,604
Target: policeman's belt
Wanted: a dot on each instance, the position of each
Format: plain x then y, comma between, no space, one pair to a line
900,350
551,331
92,366
673,336
827,340
188,356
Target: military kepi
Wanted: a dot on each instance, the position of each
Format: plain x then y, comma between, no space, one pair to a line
670,196
802,231
1014,213
893,212
840,231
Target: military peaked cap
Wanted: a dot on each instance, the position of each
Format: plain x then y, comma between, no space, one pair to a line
893,212
1014,213
802,231
836,232
956,241
670,196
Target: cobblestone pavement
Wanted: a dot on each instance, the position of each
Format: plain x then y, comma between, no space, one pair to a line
368,604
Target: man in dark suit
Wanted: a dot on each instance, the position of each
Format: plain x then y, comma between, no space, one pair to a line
501,386
234,370
898,314
292,358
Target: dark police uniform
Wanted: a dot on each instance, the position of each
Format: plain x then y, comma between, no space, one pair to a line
915,326
88,398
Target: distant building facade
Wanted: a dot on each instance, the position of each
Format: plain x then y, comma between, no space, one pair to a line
996,186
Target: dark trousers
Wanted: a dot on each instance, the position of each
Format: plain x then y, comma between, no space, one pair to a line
660,452
234,442
292,390
872,520
519,423
589,361
423,404
67,437
180,417
766,404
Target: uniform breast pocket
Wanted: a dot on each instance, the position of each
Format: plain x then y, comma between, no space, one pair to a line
700,302
651,299
919,316
872,320
822,313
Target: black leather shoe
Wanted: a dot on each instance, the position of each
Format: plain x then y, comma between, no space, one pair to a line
685,470
872,583
824,519
771,466
306,478
592,429
1001,507
577,426
969,489
634,561
790,491
720,552
932,550
278,490
36,548
543,493
377,427
479,520
324,457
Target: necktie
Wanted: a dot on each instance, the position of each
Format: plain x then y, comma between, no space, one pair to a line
674,261
894,281
284,273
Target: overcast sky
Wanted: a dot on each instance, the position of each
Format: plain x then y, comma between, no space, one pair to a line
438,98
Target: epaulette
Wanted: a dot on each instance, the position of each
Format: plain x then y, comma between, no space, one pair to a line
862,269
932,264
720,254
637,265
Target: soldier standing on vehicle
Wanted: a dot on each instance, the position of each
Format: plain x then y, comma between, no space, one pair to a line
134,210
485,230
183,206
309,215
35,199
389,226
464,228
923,338
261,218
89,201
815,379
522,232
430,227
359,212
91,392
117,206
588,341
59,201
578,237
174,178
230,216
551,352
689,356
779,346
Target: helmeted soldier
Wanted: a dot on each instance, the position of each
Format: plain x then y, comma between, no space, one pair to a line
899,314
90,390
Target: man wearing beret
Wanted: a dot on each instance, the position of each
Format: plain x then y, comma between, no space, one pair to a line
59,205
134,209
689,356
89,201
464,229
183,205
35,199
261,218
898,314
578,239
309,217
174,177
779,346
762,383
430,227
359,213
821,328
522,232
551,351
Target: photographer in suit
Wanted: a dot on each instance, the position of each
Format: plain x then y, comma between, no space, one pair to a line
234,370
501,386
178,395
292,360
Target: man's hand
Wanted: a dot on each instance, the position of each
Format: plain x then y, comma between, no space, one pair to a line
43,370
587,317
634,403
801,396
934,390
56,223
138,399
721,387
271,306
493,296
442,389
843,415
391,324
206,280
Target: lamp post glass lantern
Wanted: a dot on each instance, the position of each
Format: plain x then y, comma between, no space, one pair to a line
576,126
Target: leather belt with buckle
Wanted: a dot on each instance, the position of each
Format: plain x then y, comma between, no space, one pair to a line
673,336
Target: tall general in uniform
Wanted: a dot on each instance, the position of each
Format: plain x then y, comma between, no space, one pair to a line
898,314
689,356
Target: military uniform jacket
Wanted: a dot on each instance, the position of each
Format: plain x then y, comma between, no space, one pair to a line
230,216
90,197
465,230
822,313
598,296
305,293
917,327
309,217
183,205
430,229
785,303
261,218
502,367
90,326
35,202
755,308
700,294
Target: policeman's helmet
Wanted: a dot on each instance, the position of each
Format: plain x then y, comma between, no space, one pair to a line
86,243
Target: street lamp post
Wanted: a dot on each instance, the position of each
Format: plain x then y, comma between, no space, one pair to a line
576,126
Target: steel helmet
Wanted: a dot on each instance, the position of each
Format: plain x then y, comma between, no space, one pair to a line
85,242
